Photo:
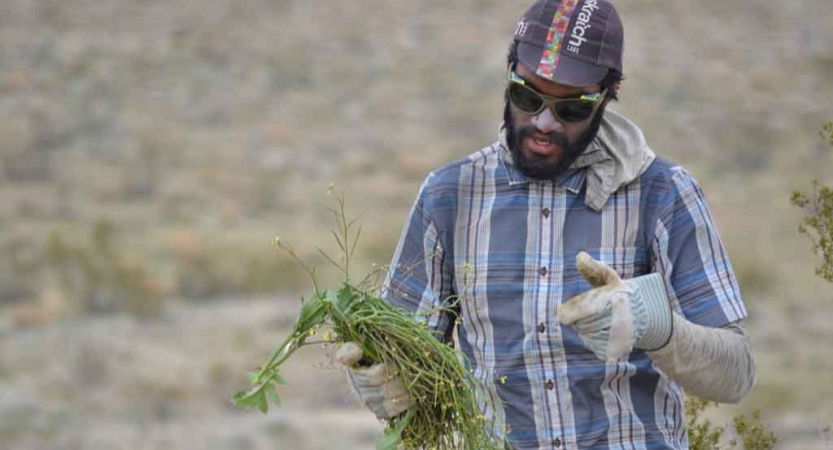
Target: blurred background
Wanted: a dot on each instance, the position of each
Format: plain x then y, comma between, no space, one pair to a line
150,151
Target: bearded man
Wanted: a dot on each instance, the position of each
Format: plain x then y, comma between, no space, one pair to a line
593,288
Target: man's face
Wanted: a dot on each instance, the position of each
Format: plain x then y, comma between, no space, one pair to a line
542,146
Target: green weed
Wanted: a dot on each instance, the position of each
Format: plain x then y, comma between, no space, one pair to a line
747,431
445,412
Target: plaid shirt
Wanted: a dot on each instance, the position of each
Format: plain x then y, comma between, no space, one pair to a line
506,245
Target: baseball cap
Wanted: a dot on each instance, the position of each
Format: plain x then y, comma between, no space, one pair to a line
572,42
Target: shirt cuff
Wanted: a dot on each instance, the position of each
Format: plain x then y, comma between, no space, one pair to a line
660,322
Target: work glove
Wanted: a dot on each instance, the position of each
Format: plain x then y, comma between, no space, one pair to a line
618,315
382,392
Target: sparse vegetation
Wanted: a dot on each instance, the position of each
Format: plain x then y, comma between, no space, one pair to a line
91,273
97,269
746,433
818,224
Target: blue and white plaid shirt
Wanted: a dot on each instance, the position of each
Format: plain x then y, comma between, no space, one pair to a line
506,245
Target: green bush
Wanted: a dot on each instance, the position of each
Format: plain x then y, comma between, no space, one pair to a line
818,224
747,431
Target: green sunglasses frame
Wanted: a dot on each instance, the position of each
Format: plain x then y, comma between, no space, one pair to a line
550,102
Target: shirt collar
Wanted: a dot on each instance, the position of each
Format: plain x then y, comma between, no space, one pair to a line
617,156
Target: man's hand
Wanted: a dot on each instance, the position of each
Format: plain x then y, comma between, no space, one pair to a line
618,315
384,394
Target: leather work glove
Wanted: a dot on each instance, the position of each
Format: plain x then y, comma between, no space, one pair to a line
618,315
384,394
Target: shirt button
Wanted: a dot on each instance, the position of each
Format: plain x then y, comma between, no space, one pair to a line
542,328
549,384
545,212
557,442
542,271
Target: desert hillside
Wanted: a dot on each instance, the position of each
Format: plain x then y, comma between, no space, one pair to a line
150,151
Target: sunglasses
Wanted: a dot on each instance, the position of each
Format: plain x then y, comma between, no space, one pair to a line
571,110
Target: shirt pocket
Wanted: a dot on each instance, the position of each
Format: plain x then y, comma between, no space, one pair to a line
628,262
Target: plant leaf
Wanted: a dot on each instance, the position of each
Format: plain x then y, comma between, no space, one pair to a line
278,378
272,394
345,297
253,398
313,313
390,438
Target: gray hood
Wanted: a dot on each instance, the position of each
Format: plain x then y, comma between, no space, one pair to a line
617,157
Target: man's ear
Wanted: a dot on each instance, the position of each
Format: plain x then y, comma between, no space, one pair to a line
615,87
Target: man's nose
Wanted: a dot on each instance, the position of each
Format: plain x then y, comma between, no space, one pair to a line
546,122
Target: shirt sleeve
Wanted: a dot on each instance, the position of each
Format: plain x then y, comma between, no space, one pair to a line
690,256
714,364
420,277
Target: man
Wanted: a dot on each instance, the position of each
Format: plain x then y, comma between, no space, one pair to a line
594,289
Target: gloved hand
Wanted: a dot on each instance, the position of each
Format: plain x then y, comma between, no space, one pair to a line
618,315
383,393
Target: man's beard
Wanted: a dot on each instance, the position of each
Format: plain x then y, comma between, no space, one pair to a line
540,168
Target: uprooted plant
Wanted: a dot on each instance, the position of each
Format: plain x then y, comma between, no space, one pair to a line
445,395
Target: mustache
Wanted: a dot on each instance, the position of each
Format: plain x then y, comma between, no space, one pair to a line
554,137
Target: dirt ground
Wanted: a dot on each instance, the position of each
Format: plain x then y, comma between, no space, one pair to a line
117,382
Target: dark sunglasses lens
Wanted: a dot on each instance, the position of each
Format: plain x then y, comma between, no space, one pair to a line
524,99
574,110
